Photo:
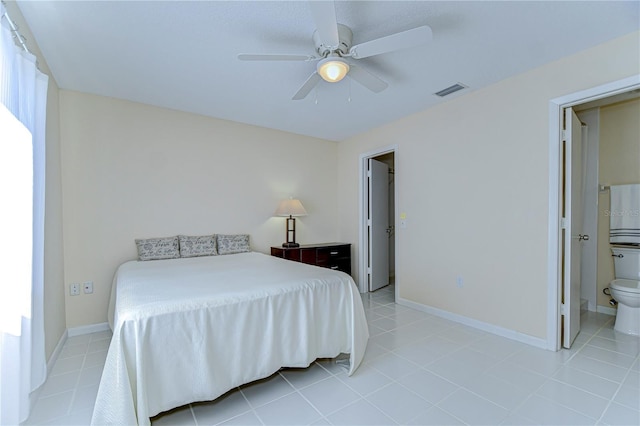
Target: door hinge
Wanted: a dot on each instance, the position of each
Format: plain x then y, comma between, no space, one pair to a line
564,135
563,223
368,173
563,309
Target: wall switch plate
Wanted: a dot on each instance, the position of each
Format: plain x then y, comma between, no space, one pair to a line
74,289
403,220
459,282
87,287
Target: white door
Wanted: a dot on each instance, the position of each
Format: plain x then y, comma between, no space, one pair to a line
573,225
378,224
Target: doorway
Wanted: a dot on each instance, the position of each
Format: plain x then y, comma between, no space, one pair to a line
561,231
377,220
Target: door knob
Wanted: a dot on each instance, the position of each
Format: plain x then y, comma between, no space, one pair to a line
583,237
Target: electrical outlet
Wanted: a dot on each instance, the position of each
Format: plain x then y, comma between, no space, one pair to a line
74,289
87,287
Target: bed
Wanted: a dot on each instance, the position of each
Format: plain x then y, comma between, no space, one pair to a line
191,329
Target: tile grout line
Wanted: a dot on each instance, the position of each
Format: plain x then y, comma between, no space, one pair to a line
550,378
611,400
75,389
421,367
547,380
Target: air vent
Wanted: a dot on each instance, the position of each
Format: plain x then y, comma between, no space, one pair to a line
451,89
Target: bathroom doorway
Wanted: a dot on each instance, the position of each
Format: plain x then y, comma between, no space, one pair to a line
377,221
611,125
587,104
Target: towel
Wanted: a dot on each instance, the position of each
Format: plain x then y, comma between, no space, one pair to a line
624,214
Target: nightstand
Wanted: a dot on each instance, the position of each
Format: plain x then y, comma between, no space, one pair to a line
328,255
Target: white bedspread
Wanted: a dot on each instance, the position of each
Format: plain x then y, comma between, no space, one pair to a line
191,329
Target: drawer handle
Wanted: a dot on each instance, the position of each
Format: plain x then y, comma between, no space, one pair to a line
333,253
334,267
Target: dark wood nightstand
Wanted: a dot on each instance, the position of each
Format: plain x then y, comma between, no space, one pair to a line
329,255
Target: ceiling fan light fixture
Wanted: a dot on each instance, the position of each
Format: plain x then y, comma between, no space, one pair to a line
333,69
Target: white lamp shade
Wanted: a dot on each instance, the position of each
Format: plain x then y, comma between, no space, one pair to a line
332,69
290,207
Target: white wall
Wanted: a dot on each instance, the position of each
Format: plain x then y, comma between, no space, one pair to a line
136,171
472,177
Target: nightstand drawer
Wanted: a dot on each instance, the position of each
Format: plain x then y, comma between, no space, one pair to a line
343,264
326,254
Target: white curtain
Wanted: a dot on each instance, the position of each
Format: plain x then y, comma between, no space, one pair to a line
23,98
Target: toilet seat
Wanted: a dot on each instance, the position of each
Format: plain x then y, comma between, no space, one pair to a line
626,286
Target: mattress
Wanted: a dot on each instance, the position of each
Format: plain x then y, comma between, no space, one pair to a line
191,329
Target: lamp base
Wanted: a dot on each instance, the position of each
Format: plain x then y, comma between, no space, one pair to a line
289,245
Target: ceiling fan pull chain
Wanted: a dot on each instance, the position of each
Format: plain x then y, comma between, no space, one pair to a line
349,98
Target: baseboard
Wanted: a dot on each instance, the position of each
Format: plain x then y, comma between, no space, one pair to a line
88,329
584,305
480,325
606,310
56,351
33,396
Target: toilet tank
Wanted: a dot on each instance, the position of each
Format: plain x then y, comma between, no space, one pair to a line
626,262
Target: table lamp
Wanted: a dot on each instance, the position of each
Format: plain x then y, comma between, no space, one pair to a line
290,207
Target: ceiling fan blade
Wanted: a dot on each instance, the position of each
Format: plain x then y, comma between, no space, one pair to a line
307,86
368,80
275,57
324,16
397,41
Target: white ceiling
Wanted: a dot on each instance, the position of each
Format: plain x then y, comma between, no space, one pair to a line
183,55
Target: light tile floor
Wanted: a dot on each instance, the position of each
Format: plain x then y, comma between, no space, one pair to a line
418,370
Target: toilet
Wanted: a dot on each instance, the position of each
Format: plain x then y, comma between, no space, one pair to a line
625,288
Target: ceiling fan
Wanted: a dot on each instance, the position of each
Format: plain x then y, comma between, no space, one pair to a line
333,45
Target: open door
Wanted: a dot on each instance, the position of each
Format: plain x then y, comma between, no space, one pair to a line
378,224
572,225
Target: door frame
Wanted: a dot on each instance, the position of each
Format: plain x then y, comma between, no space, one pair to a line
362,212
554,256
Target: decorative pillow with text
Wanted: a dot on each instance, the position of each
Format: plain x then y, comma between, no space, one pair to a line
204,245
230,244
158,248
